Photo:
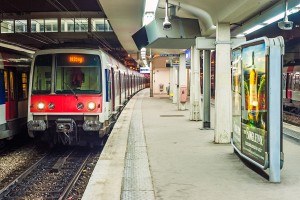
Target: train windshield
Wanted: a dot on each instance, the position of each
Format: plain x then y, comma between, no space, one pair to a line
74,73
42,75
79,73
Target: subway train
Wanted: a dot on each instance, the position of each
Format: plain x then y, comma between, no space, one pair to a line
291,85
14,79
76,95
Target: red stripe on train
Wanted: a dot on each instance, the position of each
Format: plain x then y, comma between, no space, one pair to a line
290,69
66,103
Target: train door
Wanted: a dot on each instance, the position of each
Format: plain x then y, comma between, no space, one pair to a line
125,85
11,102
2,98
120,88
130,86
289,85
113,89
108,88
134,84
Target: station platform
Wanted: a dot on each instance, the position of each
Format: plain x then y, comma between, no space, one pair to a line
156,152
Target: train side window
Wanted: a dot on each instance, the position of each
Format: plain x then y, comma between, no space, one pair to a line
284,81
2,87
124,82
11,86
6,85
290,82
23,85
42,77
297,82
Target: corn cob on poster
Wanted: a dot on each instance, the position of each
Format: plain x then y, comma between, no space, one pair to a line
254,109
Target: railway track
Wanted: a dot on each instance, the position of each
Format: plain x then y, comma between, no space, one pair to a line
291,118
51,177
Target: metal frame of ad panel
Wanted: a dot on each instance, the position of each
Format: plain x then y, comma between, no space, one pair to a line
256,65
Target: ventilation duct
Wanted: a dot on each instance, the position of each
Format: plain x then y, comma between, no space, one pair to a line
182,35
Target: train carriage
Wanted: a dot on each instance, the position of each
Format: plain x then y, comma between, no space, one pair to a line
291,85
75,95
14,79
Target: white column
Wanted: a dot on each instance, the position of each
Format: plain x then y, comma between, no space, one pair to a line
206,88
192,93
182,80
151,79
171,83
195,94
175,84
223,85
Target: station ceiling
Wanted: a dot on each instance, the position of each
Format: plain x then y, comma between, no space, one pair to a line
125,18
43,9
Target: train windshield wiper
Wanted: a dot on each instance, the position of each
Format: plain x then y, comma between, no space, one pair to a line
71,90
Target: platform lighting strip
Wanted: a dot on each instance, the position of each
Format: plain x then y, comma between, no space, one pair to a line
270,21
148,16
143,56
149,11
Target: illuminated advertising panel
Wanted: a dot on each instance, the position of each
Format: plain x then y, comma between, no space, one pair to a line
254,116
236,97
257,103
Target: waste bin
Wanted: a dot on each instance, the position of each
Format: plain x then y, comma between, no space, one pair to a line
161,88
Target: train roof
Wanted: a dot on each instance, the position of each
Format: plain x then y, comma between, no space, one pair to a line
71,46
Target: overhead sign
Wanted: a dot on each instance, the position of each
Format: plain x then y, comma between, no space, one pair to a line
144,70
188,55
169,55
188,58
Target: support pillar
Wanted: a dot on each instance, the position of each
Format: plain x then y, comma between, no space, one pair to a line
175,84
151,79
171,91
195,95
182,82
223,85
206,88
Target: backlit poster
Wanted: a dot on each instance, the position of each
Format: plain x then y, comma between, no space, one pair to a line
257,103
236,97
254,110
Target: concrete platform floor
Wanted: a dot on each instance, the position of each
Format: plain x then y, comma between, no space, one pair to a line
185,163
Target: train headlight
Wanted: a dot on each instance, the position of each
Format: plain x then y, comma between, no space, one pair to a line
41,106
91,105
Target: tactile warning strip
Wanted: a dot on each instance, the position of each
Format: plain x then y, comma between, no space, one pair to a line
137,181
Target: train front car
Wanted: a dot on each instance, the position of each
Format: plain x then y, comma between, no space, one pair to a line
66,97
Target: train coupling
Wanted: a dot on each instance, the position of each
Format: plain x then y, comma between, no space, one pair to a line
91,125
65,125
36,125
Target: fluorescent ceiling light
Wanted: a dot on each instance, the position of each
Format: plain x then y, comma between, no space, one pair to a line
148,17
255,28
151,6
149,11
241,35
274,19
270,21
